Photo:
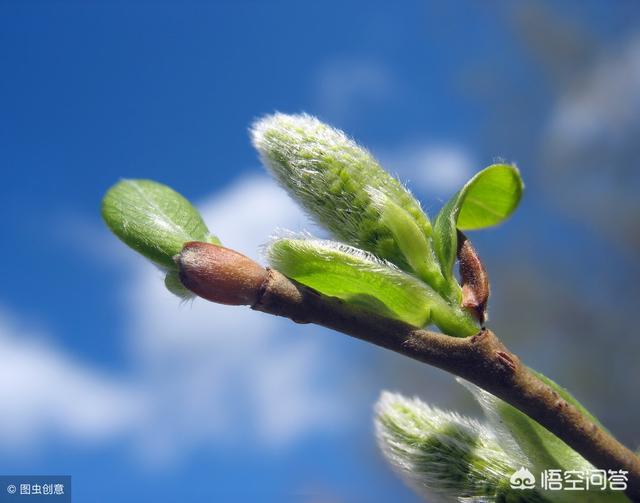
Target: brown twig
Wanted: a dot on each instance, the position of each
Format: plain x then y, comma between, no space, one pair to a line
481,359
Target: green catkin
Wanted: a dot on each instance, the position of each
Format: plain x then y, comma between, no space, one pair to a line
445,455
331,177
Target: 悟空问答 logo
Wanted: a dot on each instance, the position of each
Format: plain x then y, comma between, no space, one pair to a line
522,479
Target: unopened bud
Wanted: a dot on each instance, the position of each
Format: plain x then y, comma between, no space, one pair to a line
219,274
474,279
445,456
330,176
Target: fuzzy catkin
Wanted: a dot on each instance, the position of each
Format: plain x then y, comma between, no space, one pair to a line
329,175
444,455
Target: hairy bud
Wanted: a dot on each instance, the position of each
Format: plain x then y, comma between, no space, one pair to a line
332,177
219,274
445,455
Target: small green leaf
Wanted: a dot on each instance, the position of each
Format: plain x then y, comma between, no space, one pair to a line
354,276
490,197
153,219
487,199
359,278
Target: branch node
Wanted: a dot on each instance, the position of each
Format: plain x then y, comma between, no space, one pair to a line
480,337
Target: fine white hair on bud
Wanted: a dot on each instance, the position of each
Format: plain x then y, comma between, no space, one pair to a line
443,455
355,276
330,176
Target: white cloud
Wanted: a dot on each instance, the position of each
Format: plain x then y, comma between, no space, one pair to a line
201,374
603,108
44,391
591,150
434,168
341,86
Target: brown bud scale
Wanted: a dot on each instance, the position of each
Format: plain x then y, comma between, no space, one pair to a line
474,279
220,274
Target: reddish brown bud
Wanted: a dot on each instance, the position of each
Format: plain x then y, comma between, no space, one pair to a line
474,279
219,274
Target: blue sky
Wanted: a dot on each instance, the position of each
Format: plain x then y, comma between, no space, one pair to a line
108,378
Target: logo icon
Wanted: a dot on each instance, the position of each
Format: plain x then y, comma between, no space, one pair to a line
522,479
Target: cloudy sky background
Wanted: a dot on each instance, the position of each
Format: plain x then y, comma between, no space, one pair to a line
107,377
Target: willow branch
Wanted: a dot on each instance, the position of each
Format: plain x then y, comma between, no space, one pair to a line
481,359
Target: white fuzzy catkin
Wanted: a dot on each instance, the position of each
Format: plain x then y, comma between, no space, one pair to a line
329,175
443,455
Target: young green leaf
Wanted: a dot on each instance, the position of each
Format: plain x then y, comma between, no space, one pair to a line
360,278
487,199
153,219
330,176
490,197
354,276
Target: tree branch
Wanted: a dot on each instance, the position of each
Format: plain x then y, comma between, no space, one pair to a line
481,359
